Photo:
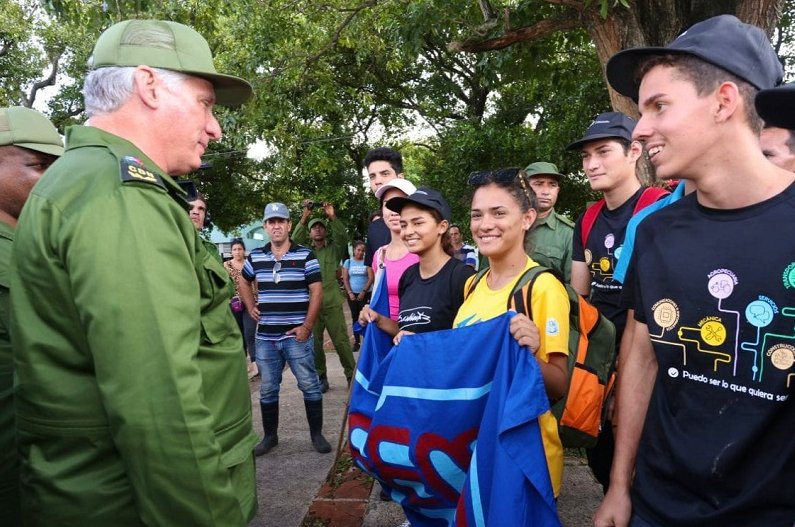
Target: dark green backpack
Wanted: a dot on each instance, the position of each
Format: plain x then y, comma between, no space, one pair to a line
592,356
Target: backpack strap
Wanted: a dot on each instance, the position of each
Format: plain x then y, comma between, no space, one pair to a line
522,303
647,197
480,274
588,220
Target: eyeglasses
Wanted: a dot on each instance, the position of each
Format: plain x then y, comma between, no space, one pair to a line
277,266
501,175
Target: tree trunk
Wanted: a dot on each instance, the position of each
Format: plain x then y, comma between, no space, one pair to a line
658,22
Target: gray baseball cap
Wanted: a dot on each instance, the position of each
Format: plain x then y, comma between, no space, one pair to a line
167,45
276,210
29,129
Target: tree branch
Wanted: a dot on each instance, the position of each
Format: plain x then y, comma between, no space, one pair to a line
43,83
540,29
335,37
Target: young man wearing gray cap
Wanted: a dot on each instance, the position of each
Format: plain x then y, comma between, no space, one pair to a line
132,402
290,295
29,144
705,407
550,238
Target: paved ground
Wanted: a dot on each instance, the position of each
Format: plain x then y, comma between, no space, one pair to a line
290,475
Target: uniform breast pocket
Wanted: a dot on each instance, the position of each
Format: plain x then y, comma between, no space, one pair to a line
549,257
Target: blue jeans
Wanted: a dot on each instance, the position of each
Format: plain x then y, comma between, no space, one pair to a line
271,356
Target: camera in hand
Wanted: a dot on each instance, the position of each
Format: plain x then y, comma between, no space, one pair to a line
311,205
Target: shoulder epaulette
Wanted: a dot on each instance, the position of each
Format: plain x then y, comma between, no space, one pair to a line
565,220
132,170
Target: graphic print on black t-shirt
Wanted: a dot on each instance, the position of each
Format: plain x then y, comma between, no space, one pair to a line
601,253
431,304
717,447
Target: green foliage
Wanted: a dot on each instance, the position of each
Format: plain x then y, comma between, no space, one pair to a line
333,79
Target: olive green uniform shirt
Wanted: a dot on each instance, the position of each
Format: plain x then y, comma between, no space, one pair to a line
9,461
329,257
132,401
550,242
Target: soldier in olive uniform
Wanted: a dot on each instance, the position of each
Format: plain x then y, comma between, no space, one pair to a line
132,403
29,144
550,238
330,250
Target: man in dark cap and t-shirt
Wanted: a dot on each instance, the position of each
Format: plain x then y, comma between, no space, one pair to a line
705,409
29,144
609,156
132,403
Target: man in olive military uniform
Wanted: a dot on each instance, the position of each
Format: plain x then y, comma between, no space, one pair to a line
330,249
550,238
131,400
199,217
29,144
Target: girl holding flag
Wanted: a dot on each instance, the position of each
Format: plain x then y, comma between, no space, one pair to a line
503,210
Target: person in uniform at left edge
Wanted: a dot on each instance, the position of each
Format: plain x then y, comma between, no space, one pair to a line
29,143
132,402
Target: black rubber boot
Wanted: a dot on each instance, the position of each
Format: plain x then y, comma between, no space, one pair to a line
314,414
323,380
270,425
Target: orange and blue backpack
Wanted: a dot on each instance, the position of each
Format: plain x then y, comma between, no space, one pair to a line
591,361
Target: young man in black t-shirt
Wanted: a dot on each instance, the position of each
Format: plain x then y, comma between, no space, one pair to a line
705,407
609,156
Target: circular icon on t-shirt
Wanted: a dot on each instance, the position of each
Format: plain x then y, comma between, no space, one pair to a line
673,373
713,333
759,313
665,312
721,285
588,256
782,356
604,264
610,241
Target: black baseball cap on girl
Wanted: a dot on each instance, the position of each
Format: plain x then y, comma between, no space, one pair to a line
425,197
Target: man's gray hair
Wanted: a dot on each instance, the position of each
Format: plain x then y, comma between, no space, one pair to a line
105,90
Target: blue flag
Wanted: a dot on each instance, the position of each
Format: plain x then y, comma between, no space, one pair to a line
448,423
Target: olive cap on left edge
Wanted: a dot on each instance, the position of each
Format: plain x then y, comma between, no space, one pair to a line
29,129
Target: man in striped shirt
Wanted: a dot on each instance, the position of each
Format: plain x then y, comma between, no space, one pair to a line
290,293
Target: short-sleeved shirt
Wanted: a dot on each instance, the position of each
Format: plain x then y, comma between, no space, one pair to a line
716,289
378,235
282,305
550,308
357,274
549,243
431,304
394,269
468,255
601,254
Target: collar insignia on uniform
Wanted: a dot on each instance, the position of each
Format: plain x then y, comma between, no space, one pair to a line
132,170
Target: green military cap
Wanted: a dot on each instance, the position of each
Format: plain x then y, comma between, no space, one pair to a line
167,45
315,221
542,168
29,129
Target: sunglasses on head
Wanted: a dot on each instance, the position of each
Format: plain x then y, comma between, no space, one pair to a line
501,175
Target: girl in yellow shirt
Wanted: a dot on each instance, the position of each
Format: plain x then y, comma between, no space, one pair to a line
503,210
